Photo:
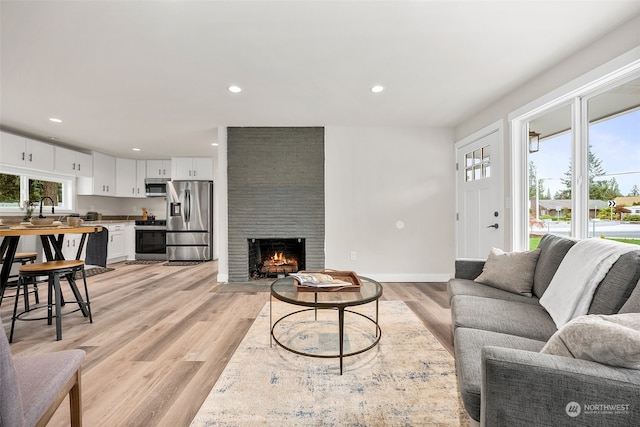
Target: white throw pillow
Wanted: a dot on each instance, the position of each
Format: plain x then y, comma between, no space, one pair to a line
612,340
510,271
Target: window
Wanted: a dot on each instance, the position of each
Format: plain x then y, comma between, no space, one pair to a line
18,187
585,179
477,164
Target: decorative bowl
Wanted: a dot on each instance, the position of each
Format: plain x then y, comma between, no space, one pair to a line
41,221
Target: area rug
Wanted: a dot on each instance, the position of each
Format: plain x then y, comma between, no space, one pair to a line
143,261
93,271
408,379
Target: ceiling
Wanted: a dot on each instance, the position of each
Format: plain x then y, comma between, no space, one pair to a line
154,74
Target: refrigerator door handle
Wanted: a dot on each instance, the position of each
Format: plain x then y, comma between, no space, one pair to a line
187,210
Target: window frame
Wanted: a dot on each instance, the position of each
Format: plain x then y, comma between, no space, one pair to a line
68,188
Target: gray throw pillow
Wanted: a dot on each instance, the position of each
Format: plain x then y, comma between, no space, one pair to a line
633,303
554,248
612,340
510,271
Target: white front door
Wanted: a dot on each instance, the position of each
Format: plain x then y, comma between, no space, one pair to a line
480,214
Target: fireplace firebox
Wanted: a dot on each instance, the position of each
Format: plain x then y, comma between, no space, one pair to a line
275,257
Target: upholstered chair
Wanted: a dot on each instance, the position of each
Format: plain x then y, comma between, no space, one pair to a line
32,387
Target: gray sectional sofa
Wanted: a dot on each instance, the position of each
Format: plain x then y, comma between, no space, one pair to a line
505,380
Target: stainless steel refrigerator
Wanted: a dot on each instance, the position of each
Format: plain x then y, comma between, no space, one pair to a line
189,220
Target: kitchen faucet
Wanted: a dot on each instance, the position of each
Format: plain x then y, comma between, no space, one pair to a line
52,206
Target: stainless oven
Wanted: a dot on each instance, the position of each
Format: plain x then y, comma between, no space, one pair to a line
151,239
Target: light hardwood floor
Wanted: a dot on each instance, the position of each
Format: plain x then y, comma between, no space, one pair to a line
162,335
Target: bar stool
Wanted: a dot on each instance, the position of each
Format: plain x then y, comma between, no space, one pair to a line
54,270
22,258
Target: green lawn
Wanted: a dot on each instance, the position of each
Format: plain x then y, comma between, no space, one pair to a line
535,241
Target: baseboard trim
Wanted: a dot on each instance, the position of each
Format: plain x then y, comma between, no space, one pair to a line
407,277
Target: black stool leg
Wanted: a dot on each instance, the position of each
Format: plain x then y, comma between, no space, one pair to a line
86,295
15,310
56,284
50,299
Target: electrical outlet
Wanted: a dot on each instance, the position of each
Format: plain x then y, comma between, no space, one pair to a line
354,255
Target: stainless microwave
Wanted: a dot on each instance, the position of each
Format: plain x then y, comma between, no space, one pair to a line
155,187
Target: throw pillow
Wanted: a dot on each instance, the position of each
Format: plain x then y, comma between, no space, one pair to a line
633,303
612,340
510,271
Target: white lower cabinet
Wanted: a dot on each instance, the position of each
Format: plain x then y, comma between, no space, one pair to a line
70,246
116,247
130,240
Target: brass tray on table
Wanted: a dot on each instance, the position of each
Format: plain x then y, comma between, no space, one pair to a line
347,276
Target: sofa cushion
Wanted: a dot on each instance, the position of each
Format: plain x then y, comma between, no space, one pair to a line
633,303
553,249
617,285
510,271
469,287
506,317
468,345
612,340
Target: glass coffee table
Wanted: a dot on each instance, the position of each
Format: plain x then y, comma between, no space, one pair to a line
285,290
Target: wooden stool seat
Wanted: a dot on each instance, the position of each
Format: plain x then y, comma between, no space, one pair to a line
24,257
55,270
45,267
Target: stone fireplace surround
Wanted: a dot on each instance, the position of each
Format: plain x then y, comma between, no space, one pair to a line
275,191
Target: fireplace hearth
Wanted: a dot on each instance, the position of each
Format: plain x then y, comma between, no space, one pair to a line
275,257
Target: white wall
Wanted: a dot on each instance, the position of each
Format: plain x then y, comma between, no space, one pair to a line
122,205
376,177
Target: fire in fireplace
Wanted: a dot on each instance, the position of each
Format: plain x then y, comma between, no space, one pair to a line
275,257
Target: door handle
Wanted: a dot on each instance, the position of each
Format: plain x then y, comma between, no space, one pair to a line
493,226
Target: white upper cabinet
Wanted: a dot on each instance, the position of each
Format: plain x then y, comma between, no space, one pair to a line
70,162
103,182
130,176
141,174
195,168
20,151
159,169
125,177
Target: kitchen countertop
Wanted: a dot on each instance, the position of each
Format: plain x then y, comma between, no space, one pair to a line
110,219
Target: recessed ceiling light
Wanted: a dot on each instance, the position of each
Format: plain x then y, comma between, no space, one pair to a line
235,89
135,149
377,89
215,144
54,120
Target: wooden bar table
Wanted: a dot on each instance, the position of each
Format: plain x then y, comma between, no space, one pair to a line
52,238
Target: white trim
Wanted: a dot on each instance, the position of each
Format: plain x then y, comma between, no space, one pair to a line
567,94
621,66
408,278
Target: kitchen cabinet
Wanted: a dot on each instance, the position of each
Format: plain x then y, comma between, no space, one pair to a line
159,169
116,247
198,168
103,182
20,151
130,240
70,246
70,162
130,176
